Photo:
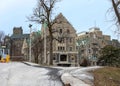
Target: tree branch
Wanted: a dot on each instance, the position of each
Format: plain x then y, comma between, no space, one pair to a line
116,11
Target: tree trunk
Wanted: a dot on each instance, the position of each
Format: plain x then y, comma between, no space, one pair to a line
116,11
51,50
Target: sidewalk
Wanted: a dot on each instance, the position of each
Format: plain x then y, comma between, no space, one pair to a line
67,78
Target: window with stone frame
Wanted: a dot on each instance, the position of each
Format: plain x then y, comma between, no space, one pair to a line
60,48
70,48
68,31
70,40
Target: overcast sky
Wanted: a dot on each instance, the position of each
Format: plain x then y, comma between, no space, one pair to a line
82,14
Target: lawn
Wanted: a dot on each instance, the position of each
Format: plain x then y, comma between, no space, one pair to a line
107,76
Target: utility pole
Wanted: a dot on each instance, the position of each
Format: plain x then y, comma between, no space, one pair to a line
45,26
30,59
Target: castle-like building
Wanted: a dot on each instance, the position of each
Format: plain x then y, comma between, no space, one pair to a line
69,48
90,43
64,43
16,40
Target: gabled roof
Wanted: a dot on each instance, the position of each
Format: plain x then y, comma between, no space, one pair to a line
61,19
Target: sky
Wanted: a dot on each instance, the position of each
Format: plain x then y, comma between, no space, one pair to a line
82,14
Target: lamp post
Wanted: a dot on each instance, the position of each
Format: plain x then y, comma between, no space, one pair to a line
30,59
78,60
45,26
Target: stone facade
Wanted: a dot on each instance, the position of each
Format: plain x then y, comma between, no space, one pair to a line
89,44
115,43
17,39
64,48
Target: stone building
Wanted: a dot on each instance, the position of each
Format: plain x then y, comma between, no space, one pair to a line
115,43
17,39
64,43
89,44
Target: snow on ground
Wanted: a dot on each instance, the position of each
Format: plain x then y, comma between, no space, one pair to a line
19,74
30,74
67,78
78,76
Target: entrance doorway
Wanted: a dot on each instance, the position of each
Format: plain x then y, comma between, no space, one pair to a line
63,57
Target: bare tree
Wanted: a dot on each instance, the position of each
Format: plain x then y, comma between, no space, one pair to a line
2,35
116,7
43,13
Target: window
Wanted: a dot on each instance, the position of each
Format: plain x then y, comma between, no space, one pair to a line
60,31
63,57
70,40
60,39
82,51
89,50
72,58
70,49
54,57
63,41
63,48
68,31
60,48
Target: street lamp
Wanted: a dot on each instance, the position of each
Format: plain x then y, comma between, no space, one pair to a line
78,45
30,25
